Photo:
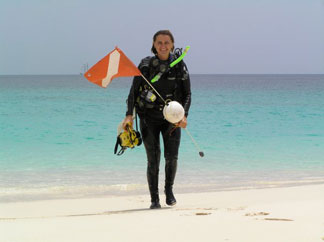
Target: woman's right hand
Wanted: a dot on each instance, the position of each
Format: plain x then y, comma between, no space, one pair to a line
127,119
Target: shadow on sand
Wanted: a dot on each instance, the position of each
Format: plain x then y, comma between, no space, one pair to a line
91,214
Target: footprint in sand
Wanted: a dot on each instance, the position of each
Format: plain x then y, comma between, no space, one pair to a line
269,219
202,214
257,214
279,219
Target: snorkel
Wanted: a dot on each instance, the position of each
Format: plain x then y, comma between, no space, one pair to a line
173,63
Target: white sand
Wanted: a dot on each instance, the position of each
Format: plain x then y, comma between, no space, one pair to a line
294,214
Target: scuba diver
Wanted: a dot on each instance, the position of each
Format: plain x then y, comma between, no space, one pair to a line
173,85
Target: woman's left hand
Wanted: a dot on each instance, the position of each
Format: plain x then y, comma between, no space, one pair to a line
183,123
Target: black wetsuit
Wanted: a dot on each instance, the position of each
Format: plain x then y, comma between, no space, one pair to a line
173,85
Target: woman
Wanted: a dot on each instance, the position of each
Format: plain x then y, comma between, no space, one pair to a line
174,84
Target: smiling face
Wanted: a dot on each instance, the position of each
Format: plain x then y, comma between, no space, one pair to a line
163,45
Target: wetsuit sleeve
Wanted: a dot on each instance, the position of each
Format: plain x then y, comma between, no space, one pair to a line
186,100
133,94
137,81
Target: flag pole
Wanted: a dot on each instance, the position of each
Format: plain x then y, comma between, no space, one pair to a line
153,88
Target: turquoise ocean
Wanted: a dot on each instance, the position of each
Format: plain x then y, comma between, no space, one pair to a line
58,132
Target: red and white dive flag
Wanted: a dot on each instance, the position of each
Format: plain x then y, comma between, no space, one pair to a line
115,64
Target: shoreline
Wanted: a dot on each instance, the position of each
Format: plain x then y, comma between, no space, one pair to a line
267,215
65,192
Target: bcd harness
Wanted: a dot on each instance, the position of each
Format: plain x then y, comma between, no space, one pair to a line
147,98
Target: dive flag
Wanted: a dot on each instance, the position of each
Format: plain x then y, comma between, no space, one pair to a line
115,64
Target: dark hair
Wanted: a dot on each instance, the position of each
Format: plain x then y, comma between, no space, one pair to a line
163,32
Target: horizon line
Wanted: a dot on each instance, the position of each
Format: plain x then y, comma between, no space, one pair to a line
81,74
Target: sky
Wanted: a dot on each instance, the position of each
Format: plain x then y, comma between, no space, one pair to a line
226,36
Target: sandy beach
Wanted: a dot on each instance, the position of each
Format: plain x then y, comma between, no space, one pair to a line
288,214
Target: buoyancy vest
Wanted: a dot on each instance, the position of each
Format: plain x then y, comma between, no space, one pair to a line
169,85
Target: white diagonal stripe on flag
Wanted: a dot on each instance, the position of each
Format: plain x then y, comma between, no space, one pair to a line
113,65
